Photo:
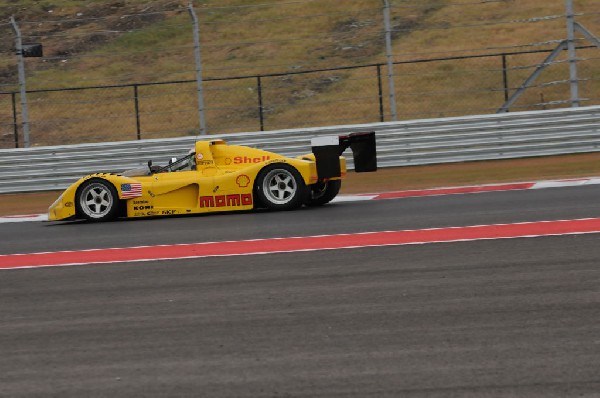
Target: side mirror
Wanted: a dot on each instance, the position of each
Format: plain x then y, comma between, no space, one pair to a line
150,166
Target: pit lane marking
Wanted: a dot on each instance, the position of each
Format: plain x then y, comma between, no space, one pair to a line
299,244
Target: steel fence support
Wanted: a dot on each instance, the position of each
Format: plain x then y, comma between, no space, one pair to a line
390,58
22,85
380,93
574,81
505,76
13,97
261,114
588,35
513,98
569,45
136,103
198,57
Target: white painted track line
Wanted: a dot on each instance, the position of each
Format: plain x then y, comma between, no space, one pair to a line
406,194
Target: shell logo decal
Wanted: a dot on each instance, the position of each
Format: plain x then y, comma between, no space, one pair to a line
243,181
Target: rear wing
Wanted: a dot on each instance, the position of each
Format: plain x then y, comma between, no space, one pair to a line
327,151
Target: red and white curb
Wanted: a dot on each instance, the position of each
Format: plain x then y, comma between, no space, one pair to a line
300,244
30,217
408,194
470,189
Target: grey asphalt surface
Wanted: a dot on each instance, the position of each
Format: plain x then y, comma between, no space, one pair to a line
348,217
510,318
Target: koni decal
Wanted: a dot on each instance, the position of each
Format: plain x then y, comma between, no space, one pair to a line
232,200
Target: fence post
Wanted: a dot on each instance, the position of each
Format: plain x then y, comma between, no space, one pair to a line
380,93
260,103
505,77
198,58
22,86
13,96
529,81
572,55
136,103
390,60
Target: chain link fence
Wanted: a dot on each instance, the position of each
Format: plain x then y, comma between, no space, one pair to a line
142,106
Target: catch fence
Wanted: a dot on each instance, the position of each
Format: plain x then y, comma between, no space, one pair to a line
287,100
135,70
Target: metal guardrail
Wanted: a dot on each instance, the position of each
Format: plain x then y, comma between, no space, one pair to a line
417,142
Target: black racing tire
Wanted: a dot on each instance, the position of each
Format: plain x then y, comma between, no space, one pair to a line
97,200
280,187
323,192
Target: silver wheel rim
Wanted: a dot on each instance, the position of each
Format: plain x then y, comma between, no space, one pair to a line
279,186
96,200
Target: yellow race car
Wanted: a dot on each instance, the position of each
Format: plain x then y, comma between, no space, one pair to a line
217,177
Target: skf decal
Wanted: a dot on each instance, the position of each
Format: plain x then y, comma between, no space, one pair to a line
246,159
242,181
233,200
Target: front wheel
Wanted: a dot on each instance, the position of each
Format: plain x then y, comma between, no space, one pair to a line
323,192
280,187
97,200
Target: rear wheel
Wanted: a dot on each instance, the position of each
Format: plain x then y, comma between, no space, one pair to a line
323,192
97,200
280,187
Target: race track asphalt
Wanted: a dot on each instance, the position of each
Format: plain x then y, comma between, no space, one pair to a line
516,317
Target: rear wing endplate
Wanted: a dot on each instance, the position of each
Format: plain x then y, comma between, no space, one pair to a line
327,151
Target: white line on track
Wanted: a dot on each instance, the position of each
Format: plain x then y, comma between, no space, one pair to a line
405,194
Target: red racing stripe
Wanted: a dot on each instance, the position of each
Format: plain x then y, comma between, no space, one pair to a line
278,245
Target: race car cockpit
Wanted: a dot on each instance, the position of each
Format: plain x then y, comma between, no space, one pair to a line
186,163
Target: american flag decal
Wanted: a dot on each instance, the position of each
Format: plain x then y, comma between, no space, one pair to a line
131,190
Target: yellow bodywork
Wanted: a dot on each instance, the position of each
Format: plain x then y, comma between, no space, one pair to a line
223,180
